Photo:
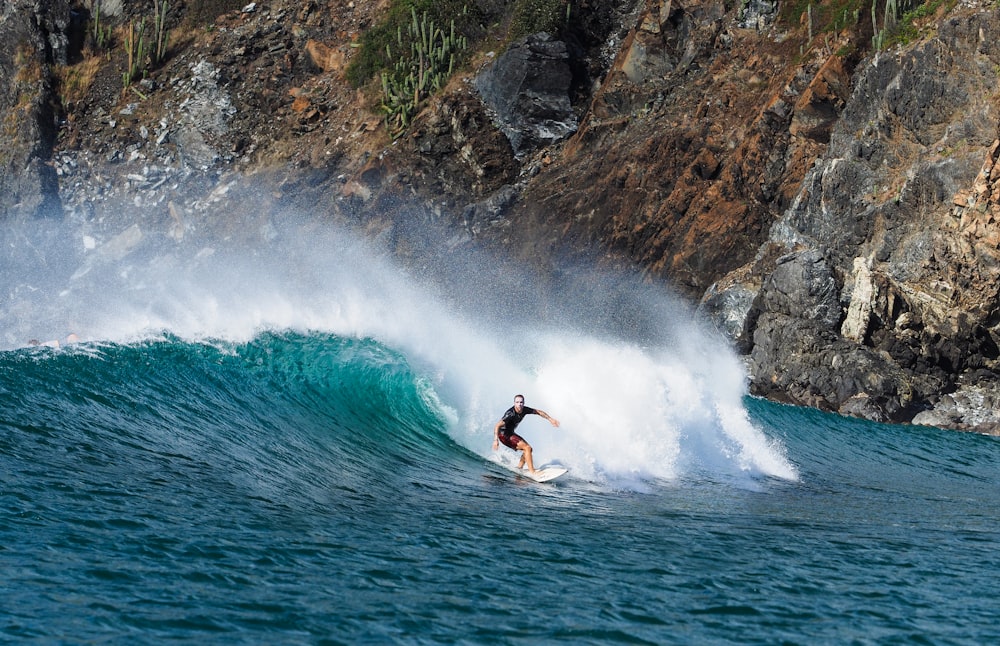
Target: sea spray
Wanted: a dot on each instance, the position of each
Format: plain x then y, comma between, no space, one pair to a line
631,413
642,391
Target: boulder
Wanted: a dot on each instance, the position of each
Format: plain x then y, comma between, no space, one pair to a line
802,286
527,88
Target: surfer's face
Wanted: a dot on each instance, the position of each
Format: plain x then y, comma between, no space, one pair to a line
518,404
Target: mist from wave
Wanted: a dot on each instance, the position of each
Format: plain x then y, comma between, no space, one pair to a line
643,391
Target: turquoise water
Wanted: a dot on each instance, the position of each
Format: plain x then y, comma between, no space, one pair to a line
292,445
313,487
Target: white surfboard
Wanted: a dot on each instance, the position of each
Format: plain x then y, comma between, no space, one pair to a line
544,474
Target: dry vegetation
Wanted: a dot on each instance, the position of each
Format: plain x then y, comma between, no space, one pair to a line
27,88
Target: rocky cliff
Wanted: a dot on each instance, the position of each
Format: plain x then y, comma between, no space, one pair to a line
831,203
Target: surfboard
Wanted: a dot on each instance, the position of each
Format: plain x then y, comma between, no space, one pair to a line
544,474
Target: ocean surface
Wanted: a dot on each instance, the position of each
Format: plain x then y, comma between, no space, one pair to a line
296,449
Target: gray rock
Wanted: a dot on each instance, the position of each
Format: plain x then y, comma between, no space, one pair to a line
757,14
889,304
29,184
728,307
527,87
802,286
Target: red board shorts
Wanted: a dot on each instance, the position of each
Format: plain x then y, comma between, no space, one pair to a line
510,439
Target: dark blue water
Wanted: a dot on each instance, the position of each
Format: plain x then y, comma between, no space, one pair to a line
306,487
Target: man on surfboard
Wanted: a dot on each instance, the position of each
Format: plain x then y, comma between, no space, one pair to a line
504,430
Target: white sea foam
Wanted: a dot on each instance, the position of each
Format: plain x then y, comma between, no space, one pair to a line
632,414
641,391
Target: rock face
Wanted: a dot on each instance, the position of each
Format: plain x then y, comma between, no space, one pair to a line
686,156
901,212
798,310
837,215
34,37
528,87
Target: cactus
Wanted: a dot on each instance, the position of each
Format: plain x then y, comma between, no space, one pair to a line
426,69
138,52
135,52
878,37
160,9
100,34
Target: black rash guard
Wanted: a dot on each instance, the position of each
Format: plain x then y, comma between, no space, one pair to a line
512,418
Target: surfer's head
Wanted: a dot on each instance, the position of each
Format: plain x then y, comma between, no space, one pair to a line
518,401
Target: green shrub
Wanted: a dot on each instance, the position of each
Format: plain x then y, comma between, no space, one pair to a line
371,58
533,16
906,29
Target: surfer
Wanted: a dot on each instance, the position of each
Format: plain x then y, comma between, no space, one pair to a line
504,430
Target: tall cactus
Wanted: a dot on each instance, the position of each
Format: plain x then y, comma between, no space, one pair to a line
424,70
138,49
160,9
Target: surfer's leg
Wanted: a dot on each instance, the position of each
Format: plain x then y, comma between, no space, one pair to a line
525,456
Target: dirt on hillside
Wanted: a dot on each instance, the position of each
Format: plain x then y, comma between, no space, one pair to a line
281,67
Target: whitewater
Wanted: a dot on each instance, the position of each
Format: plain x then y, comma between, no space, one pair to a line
290,442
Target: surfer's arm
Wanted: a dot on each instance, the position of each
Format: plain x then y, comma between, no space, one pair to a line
544,415
496,433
